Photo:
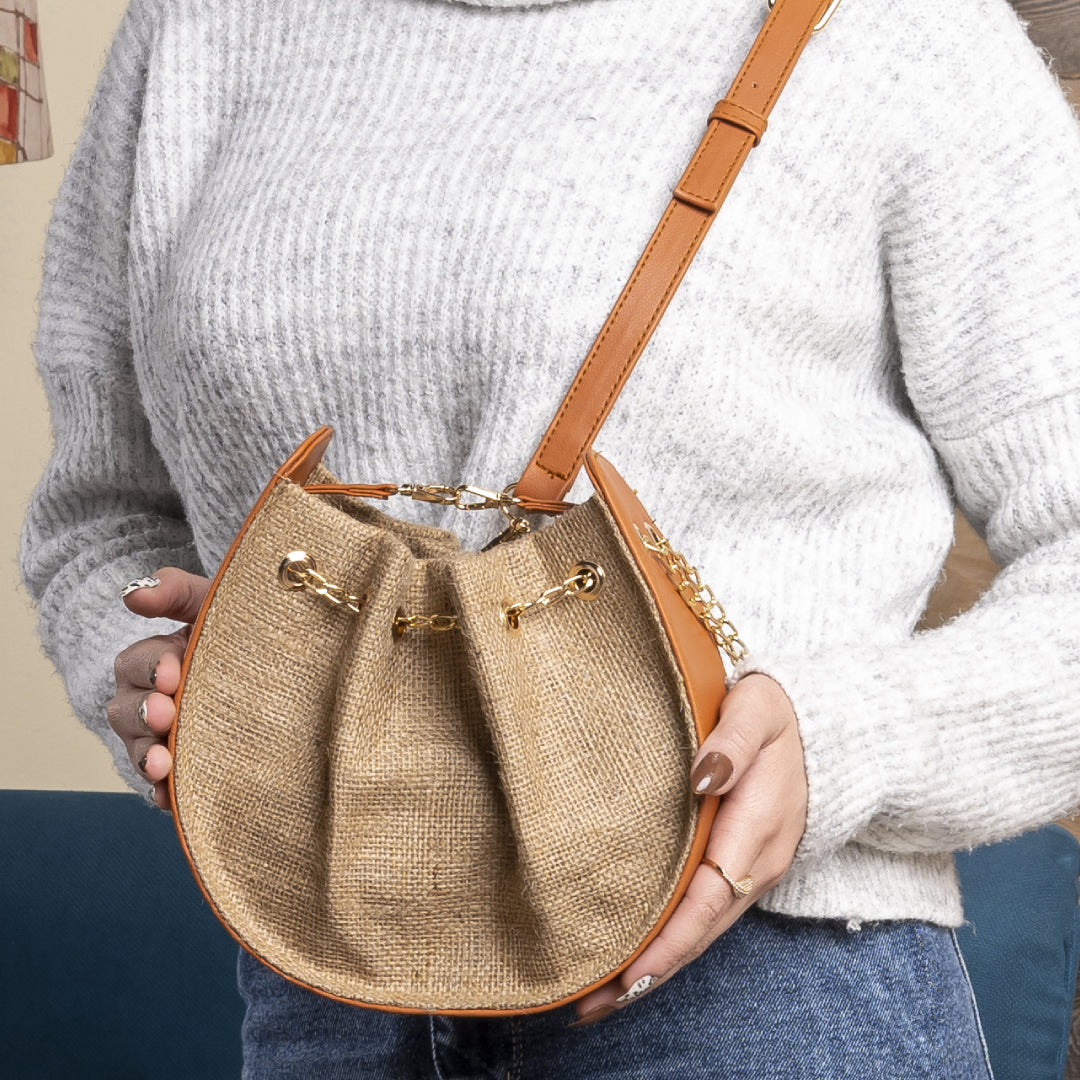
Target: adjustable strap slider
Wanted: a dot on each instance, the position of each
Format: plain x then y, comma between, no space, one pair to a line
705,182
728,112
707,177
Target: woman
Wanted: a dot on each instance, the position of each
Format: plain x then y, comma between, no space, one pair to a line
407,219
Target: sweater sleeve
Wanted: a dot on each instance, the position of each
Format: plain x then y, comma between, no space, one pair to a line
971,733
104,511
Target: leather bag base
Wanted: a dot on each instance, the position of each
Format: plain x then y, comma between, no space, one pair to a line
472,820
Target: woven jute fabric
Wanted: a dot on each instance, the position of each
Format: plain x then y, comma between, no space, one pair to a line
471,819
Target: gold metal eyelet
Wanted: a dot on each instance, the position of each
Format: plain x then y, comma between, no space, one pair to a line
591,577
294,568
511,614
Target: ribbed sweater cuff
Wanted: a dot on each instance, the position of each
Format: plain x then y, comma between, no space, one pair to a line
845,715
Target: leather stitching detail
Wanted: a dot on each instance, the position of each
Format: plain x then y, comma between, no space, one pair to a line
770,100
638,345
555,428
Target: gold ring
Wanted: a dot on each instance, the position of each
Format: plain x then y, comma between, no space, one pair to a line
741,888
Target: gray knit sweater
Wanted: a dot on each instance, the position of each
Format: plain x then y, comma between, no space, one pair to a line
408,218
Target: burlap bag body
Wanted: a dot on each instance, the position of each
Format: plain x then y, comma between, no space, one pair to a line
477,819
463,820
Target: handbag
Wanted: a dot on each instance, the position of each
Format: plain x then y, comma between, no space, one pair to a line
419,778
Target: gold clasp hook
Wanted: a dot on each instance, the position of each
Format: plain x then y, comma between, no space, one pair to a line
464,497
482,499
429,493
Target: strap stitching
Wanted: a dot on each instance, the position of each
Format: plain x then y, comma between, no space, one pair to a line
580,378
673,284
731,113
733,167
770,100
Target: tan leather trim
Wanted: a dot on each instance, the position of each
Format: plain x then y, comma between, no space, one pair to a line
297,468
301,463
700,665
699,660
356,491
729,138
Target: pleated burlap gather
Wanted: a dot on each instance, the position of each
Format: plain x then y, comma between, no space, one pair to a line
478,818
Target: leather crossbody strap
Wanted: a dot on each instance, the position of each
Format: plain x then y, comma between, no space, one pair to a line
735,127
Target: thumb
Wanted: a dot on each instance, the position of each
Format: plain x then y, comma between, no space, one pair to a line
178,595
754,714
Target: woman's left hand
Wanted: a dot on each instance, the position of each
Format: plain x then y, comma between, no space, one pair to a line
754,759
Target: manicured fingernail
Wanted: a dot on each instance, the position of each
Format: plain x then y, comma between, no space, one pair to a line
712,772
142,762
139,583
642,986
594,1016
142,713
153,674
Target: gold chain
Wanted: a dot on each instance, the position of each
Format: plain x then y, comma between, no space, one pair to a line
699,598
584,582
439,623
297,571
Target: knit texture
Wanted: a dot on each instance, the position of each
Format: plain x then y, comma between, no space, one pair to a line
408,219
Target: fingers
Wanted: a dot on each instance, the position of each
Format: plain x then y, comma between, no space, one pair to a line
143,721
178,595
150,755
754,715
148,672
152,664
142,710
135,714
709,907
754,757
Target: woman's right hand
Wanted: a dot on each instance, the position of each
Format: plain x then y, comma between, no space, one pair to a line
148,673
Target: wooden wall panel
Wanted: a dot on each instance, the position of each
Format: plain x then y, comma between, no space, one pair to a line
1054,25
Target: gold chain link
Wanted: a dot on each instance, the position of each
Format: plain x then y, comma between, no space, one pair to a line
584,582
439,623
298,571
699,598
471,497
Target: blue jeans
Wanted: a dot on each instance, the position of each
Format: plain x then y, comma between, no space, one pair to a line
775,998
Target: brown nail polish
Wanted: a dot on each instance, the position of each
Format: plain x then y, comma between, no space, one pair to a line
142,762
594,1015
712,772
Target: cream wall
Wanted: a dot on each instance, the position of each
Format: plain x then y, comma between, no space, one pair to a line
42,745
